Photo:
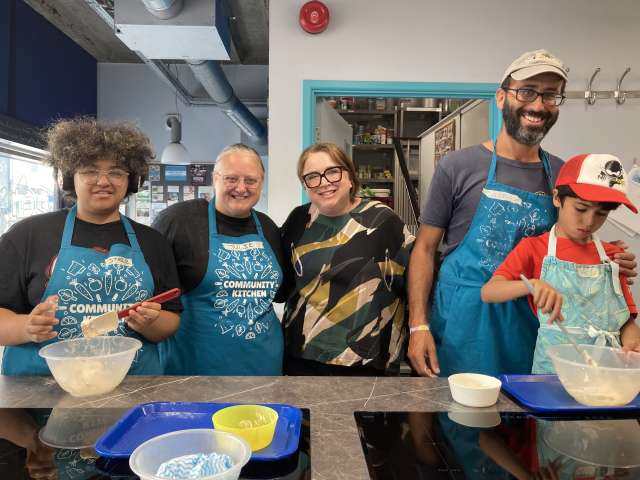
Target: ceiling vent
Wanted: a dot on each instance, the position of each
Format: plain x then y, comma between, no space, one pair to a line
198,32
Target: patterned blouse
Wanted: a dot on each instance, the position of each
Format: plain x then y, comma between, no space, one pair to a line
348,305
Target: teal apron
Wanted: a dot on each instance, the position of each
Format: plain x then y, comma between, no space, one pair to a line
594,307
88,283
228,326
472,336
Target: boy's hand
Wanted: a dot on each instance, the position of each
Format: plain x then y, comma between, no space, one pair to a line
630,337
41,320
548,300
626,260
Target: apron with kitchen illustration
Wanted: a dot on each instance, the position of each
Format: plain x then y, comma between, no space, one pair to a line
472,336
594,307
89,282
228,326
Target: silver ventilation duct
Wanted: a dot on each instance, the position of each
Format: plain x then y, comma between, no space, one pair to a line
163,9
214,81
196,32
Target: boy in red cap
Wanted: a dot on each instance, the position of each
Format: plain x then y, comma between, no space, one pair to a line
574,280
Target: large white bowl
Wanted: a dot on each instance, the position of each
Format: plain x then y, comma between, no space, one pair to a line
90,366
614,381
147,458
474,389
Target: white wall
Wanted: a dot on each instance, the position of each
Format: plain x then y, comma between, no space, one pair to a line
134,92
455,41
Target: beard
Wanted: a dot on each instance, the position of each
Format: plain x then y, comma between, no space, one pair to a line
526,135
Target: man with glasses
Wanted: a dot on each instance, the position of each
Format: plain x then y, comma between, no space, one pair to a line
482,201
229,261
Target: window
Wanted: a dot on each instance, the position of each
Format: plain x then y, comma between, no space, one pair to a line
27,186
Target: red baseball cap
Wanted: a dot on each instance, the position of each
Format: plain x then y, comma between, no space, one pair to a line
596,178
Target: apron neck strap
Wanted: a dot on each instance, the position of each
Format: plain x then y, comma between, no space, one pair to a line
553,244
214,224
544,158
67,234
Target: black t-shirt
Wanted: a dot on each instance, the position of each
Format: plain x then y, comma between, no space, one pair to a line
29,248
186,226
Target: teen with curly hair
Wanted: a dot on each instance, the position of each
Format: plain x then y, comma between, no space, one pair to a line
56,269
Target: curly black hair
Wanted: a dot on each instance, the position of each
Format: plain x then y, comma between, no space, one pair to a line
78,142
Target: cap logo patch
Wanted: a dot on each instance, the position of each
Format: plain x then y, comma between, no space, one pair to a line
612,173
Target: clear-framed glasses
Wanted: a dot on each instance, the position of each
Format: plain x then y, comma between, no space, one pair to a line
331,175
529,95
116,176
234,180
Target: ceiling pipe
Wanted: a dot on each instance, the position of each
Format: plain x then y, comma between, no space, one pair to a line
163,9
210,74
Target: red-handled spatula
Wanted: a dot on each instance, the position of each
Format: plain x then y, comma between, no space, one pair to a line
107,322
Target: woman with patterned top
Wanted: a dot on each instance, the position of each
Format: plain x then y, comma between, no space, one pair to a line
348,254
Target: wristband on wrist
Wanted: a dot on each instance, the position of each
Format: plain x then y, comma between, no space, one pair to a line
419,328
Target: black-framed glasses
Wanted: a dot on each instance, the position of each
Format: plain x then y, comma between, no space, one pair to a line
92,175
529,95
331,175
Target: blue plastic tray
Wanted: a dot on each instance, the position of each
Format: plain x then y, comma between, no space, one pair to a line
149,420
545,394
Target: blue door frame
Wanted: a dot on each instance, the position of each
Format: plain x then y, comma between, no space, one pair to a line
311,89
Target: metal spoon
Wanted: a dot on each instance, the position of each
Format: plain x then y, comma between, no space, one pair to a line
587,358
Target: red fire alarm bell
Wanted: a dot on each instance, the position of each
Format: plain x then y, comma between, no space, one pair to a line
314,17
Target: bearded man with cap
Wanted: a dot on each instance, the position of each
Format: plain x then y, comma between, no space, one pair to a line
482,201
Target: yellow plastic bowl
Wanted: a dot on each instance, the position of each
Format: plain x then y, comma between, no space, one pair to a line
255,423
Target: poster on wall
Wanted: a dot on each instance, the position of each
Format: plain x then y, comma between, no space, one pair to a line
445,141
205,193
173,197
156,208
175,174
200,173
154,173
188,192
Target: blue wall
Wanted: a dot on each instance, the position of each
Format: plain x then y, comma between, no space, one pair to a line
47,75
5,49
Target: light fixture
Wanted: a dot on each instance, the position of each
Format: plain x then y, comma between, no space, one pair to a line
175,152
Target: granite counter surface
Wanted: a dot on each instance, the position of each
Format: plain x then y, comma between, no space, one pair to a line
335,446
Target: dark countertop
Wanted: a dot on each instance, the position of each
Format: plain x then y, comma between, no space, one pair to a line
331,401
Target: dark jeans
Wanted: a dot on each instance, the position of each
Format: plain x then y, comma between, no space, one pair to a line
302,367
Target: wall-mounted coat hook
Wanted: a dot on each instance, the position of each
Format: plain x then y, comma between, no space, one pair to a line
589,95
619,95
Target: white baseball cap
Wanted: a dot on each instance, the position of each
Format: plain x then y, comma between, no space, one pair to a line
534,63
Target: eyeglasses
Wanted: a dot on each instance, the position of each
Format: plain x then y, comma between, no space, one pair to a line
234,180
92,175
331,175
529,95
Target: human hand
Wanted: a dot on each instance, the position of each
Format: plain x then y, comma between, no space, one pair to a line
548,300
422,354
630,337
40,322
40,461
626,260
143,316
